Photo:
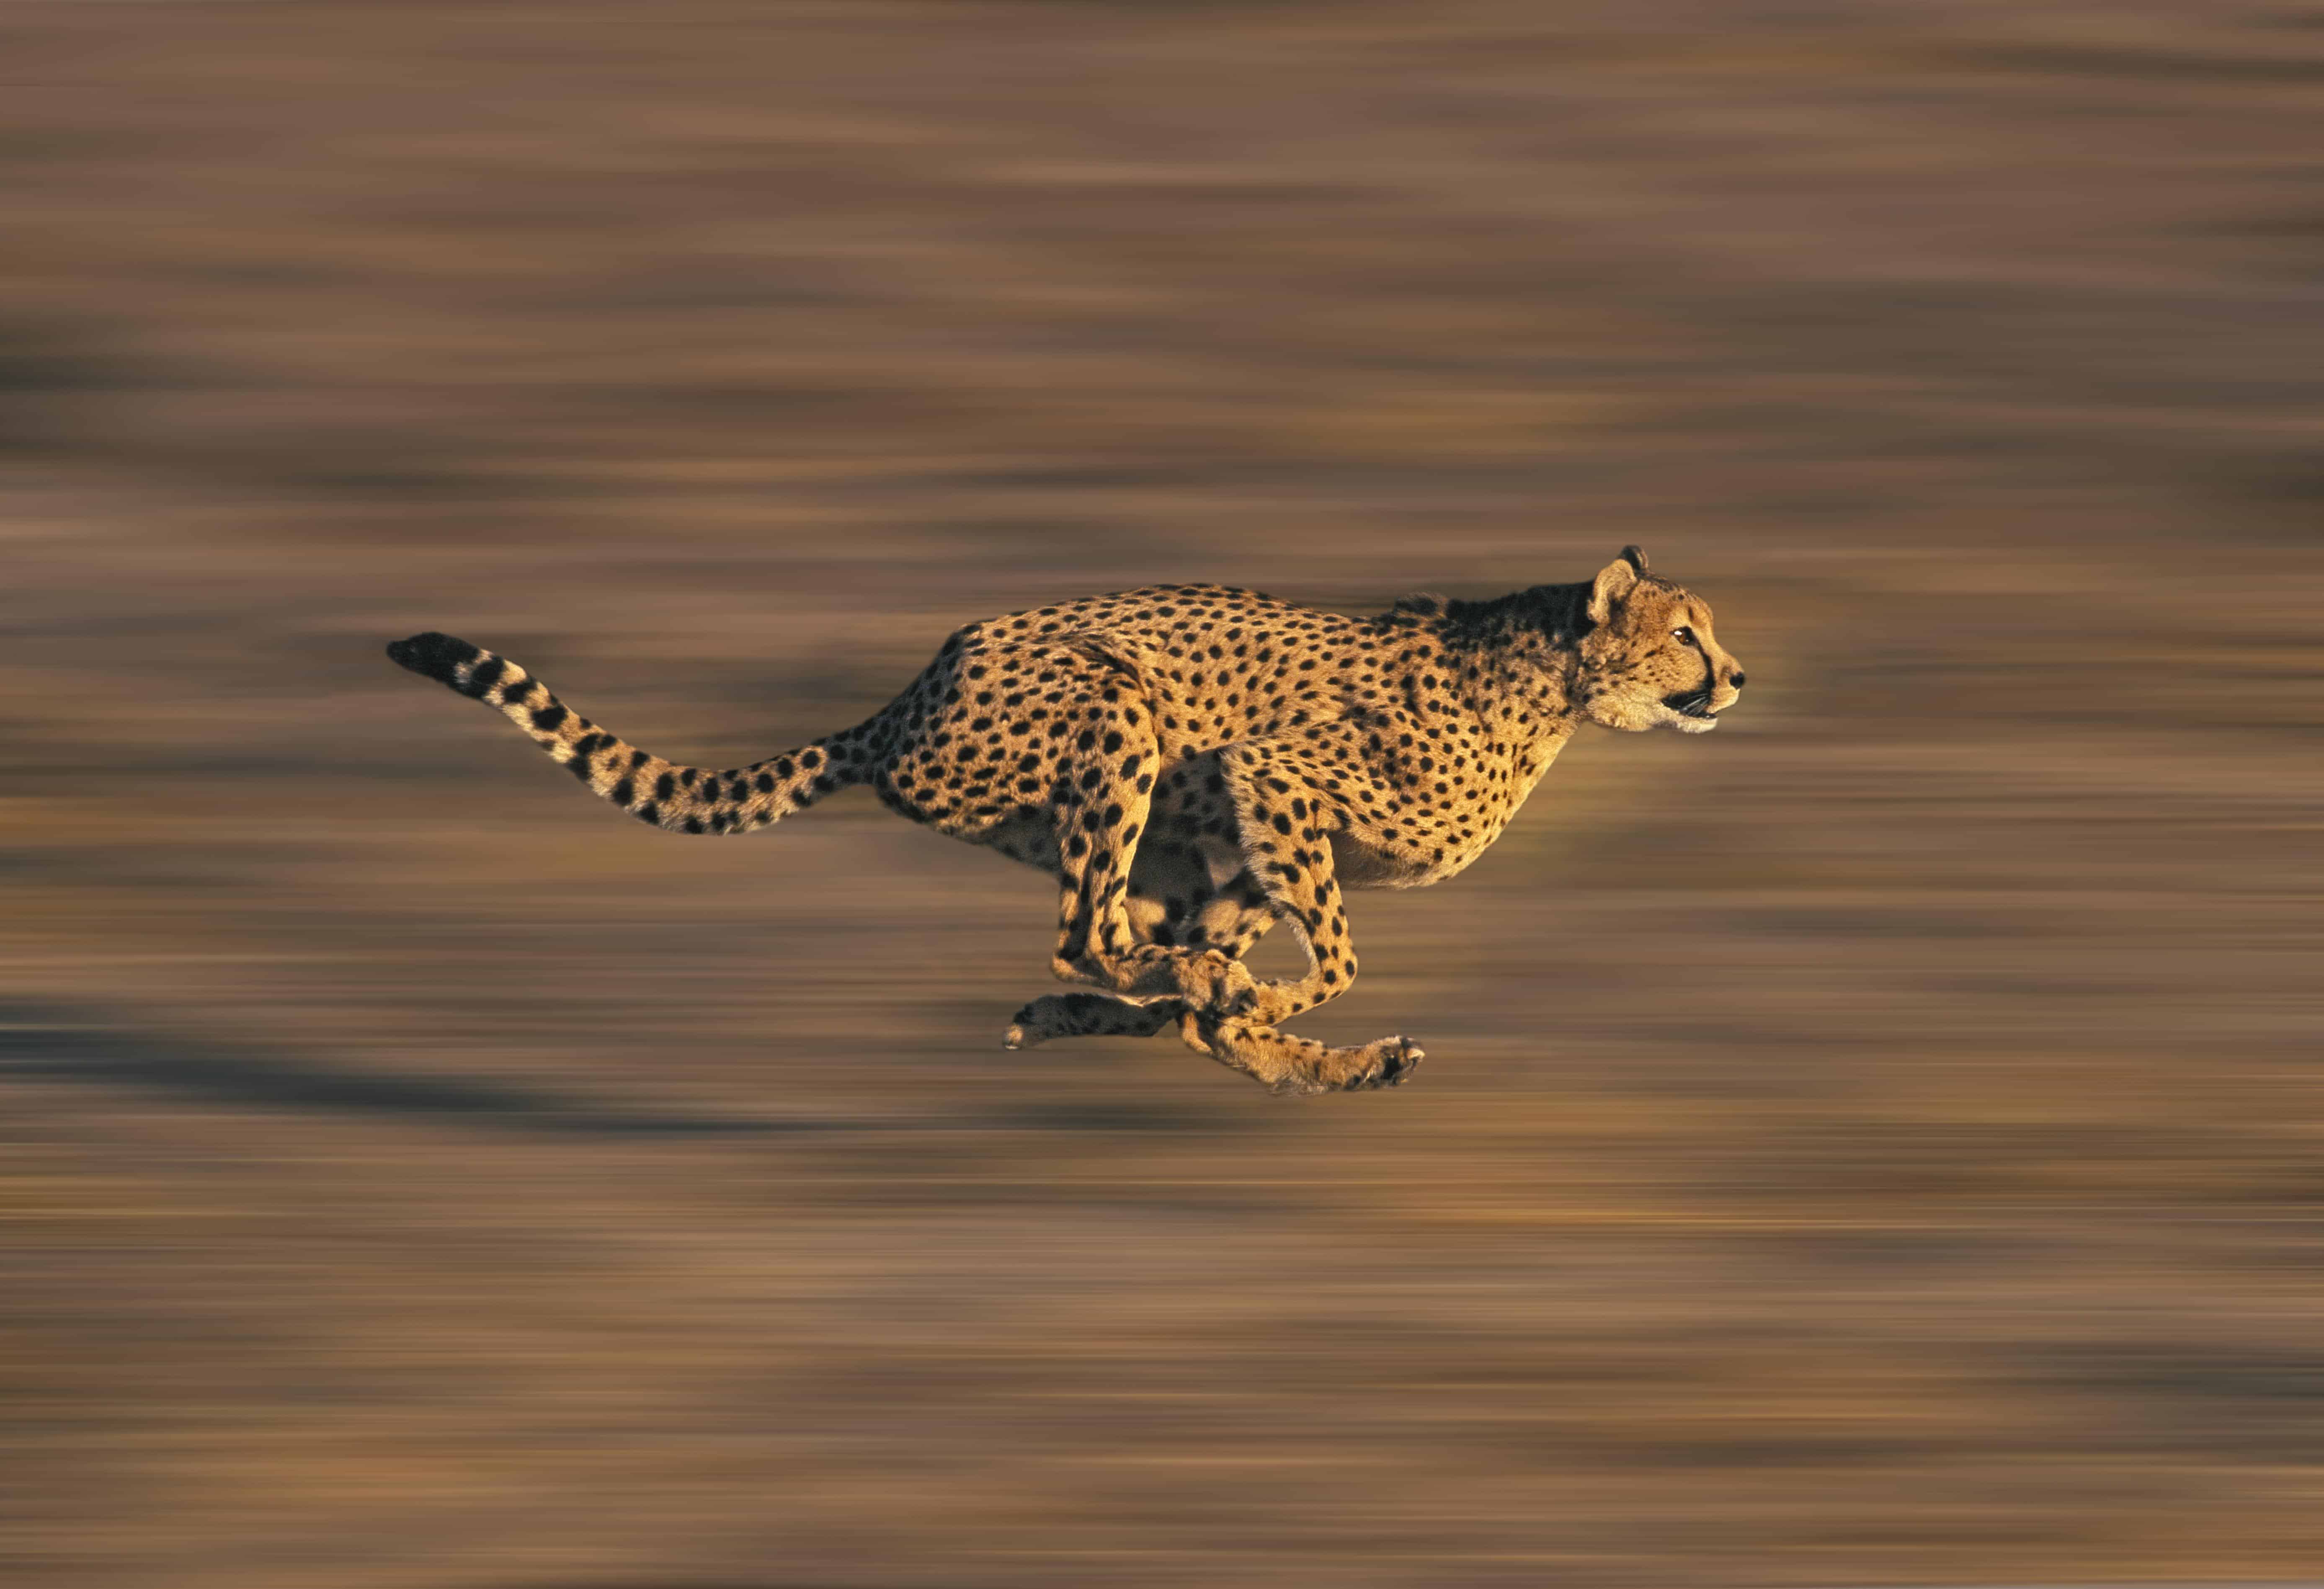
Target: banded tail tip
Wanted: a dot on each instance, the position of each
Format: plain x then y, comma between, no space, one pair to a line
433,655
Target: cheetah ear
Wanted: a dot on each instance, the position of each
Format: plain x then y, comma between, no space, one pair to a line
1616,580
1635,557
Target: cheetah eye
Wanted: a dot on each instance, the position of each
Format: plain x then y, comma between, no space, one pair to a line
1685,635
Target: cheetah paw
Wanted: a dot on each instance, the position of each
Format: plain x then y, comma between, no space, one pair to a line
1388,1063
1392,1061
1207,981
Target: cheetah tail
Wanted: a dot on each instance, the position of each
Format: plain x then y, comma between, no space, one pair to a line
678,799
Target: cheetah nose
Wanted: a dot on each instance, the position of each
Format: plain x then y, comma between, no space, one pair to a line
1736,679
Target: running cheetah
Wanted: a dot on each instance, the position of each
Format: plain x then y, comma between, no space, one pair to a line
1194,764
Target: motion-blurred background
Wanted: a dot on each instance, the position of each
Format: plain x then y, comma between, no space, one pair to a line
1876,1144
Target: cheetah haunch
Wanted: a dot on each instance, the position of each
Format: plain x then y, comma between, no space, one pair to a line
1193,764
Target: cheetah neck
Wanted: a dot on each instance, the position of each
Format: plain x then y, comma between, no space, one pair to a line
1516,656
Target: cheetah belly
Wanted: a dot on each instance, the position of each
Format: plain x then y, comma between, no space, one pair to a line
1364,861
1361,863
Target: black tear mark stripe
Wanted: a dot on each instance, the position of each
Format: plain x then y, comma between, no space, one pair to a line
667,795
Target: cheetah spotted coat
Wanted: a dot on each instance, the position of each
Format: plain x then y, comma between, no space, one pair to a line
1194,763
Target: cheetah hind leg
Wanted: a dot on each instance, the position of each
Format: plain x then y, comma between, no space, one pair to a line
1172,901
1287,1065
1085,1015
1187,939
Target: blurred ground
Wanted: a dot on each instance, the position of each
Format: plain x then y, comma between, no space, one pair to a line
1878,1144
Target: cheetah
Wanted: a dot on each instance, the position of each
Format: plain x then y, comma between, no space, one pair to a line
1194,764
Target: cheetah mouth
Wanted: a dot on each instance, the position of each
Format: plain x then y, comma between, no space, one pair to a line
1694,702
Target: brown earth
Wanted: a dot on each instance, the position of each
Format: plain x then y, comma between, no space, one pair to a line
1877,1144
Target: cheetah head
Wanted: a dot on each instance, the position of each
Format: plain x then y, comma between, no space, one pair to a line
1649,659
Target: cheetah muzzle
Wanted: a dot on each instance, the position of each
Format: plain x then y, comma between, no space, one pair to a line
1193,764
